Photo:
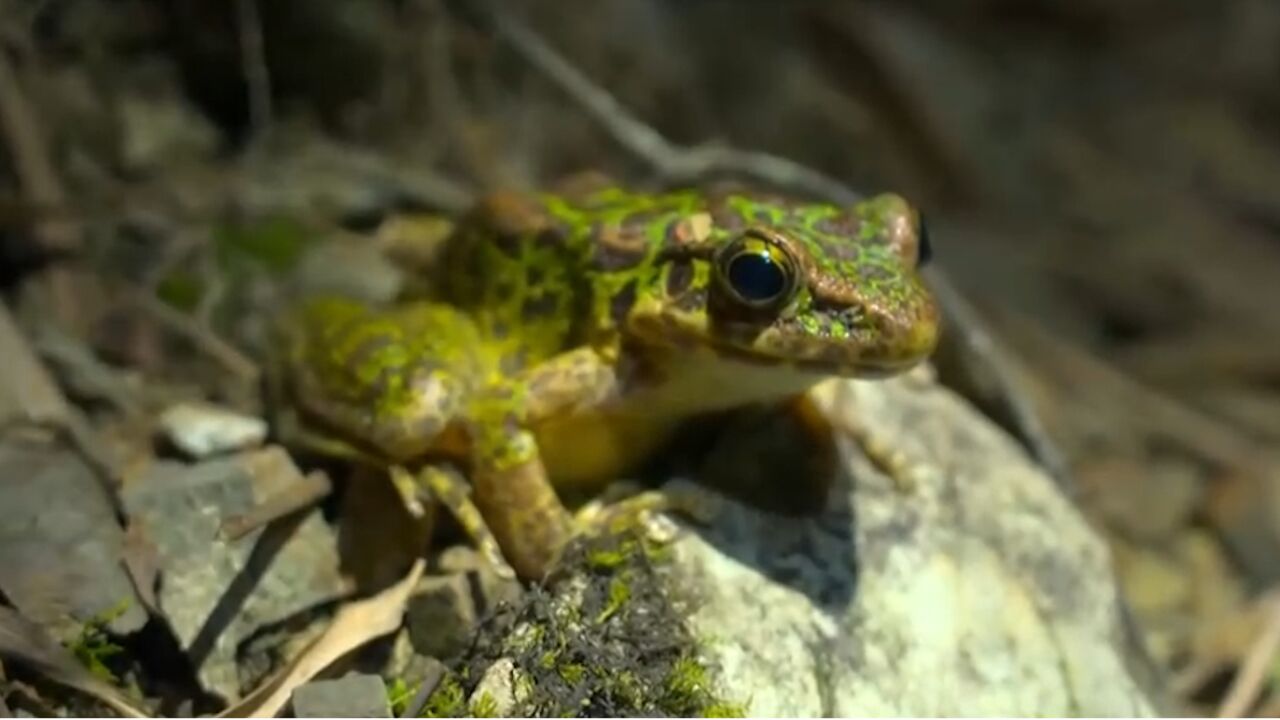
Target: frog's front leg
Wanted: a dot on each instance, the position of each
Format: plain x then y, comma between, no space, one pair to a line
512,490
879,449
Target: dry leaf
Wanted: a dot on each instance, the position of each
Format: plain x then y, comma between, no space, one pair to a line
23,641
353,626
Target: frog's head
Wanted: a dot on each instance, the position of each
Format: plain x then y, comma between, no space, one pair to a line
766,281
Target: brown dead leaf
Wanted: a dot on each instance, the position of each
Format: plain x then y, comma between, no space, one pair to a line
353,626
25,642
141,561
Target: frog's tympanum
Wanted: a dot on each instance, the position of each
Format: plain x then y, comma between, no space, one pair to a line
567,335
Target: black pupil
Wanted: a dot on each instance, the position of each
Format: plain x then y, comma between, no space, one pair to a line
756,277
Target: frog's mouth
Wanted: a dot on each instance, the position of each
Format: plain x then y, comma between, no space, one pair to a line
767,345
771,346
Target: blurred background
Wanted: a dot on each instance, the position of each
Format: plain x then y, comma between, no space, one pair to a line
1102,181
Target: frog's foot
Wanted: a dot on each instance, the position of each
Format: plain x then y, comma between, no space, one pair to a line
881,450
451,491
624,506
409,490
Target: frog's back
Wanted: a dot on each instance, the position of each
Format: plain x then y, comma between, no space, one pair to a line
542,273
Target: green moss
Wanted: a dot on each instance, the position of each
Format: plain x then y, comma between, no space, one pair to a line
182,290
398,696
611,644
619,593
93,646
274,243
484,706
723,710
449,699
572,673
607,559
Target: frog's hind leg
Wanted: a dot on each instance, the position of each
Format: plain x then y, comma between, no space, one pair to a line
451,490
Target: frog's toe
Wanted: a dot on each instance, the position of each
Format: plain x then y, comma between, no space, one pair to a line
646,510
409,491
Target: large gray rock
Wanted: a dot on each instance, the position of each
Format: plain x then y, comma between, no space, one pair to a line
61,546
981,591
351,696
214,593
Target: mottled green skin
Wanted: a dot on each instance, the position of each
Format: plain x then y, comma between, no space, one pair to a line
576,330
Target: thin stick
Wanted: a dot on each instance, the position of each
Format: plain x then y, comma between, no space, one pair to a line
1252,678
253,63
999,373
296,496
201,336
27,149
435,673
671,160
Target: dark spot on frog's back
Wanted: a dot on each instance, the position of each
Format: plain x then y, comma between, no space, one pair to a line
540,306
679,277
513,362
622,301
621,246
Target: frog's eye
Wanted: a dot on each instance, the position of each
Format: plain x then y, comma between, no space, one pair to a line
757,272
924,250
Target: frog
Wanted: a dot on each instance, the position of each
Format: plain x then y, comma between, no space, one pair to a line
562,337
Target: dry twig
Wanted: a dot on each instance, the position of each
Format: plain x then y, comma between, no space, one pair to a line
201,336
1252,678
41,187
314,486
253,63
354,625
674,162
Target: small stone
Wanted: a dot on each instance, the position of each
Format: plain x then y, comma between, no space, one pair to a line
405,663
495,590
352,696
500,689
441,615
202,430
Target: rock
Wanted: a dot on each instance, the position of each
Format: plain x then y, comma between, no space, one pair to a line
201,430
498,691
214,593
979,590
351,696
60,543
441,615
495,590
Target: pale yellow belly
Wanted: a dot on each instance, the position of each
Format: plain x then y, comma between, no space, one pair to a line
586,451
591,448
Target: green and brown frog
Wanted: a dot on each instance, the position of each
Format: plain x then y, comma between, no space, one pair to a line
567,336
